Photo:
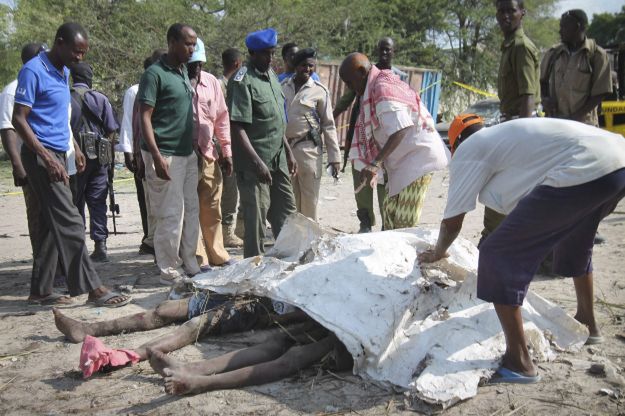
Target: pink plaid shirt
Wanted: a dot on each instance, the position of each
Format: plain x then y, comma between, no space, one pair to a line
211,118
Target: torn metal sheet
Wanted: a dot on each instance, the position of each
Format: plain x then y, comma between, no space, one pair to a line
422,330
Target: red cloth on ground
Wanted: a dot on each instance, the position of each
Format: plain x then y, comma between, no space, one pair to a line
94,355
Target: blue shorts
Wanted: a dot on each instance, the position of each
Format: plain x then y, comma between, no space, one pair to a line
202,302
564,220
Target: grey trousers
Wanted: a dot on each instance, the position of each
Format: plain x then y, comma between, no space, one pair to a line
60,233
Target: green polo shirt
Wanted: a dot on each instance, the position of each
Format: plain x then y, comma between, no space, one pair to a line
169,92
518,72
255,100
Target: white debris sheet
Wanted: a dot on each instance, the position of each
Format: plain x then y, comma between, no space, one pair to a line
418,328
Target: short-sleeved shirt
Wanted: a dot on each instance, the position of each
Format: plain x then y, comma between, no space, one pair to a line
125,132
285,75
169,92
45,89
575,77
313,101
256,101
7,99
518,73
503,163
421,152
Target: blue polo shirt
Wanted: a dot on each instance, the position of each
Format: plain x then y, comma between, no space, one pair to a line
45,90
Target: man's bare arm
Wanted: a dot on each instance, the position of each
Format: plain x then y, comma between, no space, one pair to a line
396,138
290,158
449,231
238,133
160,164
56,171
9,143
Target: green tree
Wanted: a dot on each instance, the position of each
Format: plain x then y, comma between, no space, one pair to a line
608,29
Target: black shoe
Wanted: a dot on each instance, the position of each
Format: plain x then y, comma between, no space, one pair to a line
146,249
599,239
365,221
99,253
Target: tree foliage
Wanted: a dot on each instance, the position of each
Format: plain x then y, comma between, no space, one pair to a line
459,37
608,29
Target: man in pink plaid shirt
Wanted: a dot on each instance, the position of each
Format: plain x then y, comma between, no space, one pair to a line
211,119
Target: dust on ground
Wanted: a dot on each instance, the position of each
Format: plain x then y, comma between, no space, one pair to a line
39,368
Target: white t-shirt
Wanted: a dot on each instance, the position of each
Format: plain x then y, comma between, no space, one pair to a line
420,153
7,100
125,132
503,163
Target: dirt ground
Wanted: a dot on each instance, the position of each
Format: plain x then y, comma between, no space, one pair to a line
39,368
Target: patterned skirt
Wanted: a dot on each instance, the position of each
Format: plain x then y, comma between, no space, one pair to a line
404,209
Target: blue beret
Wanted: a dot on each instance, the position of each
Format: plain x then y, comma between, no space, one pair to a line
262,39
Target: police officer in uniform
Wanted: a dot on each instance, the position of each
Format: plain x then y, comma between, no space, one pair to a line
262,156
309,115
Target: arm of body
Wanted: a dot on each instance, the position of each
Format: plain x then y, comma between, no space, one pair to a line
238,133
160,164
290,158
222,129
9,143
328,128
449,231
367,173
56,170
344,102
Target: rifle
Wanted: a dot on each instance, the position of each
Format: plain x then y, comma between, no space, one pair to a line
113,207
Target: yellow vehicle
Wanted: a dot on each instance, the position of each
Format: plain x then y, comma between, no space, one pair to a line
612,115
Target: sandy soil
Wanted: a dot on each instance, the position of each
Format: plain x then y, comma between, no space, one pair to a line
38,368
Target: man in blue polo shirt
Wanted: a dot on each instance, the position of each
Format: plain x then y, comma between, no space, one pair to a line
40,117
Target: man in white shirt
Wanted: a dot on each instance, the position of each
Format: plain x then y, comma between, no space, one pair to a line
394,128
555,180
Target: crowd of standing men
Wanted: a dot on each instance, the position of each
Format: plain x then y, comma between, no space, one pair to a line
194,142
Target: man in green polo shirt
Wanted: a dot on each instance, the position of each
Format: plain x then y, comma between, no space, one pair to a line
518,84
171,170
262,157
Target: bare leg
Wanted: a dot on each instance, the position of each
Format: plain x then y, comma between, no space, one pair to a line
517,357
295,359
180,337
267,351
167,312
585,303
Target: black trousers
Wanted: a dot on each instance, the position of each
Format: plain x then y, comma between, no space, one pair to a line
61,233
142,207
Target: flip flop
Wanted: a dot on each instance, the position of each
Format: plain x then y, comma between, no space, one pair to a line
52,299
504,375
594,340
102,300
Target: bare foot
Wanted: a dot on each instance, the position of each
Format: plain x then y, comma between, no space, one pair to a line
593,330
160,361
73,330
525,367
176,383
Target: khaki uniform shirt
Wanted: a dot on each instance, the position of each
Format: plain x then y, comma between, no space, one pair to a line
575,77
312,99
255,100
518,73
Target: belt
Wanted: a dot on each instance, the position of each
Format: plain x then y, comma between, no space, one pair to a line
297,140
